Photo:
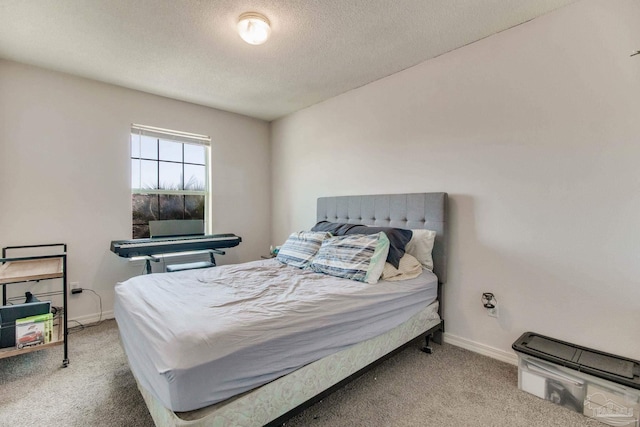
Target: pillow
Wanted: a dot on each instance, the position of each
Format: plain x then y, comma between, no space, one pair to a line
357,257
398,237
335,228
421,246
300,248
409,269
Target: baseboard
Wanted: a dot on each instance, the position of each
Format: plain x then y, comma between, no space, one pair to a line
485,350
89,318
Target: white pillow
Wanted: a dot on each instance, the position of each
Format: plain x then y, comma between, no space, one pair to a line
420,246
409,268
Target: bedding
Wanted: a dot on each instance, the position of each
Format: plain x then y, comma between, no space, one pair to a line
197,337
301,247
421,246
409,268
271,401
355,257
398,238
143,314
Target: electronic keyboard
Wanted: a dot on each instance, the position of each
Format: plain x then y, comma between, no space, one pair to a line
160,245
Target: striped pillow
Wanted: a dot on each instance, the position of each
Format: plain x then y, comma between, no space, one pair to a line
355,256
300,248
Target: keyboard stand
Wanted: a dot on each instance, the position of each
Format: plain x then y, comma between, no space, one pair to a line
147,262
195,265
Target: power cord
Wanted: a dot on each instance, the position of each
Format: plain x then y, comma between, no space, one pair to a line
57,311
81,326
31,297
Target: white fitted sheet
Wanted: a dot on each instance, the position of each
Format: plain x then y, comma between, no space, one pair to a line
198,337
266,403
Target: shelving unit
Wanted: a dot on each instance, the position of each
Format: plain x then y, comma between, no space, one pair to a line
22,269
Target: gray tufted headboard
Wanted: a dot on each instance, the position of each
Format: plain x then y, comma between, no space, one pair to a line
412,211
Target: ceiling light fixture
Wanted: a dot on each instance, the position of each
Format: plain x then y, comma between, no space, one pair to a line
254,28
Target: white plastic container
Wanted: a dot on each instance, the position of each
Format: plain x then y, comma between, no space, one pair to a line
603,400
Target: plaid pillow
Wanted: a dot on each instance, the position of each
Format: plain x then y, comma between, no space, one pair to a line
300,248
398,237
357,257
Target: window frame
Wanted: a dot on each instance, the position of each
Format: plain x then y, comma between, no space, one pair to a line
182,138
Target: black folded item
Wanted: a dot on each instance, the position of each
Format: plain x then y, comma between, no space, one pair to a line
398,237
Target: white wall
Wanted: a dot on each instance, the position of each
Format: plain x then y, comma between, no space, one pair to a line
534,133
64,173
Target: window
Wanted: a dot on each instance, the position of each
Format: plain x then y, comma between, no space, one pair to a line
169,177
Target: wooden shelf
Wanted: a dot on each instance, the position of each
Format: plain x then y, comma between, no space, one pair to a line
23,269
56,340
38,269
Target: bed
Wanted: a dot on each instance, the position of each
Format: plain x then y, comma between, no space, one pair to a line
259,364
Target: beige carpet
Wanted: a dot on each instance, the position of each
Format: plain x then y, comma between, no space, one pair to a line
452,387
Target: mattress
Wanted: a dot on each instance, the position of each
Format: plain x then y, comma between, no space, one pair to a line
264,404
198,337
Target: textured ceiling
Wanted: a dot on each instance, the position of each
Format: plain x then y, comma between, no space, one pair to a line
190,50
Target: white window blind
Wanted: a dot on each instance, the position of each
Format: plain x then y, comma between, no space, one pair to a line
174,135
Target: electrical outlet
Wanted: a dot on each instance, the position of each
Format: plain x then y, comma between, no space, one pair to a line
74,285
490,303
